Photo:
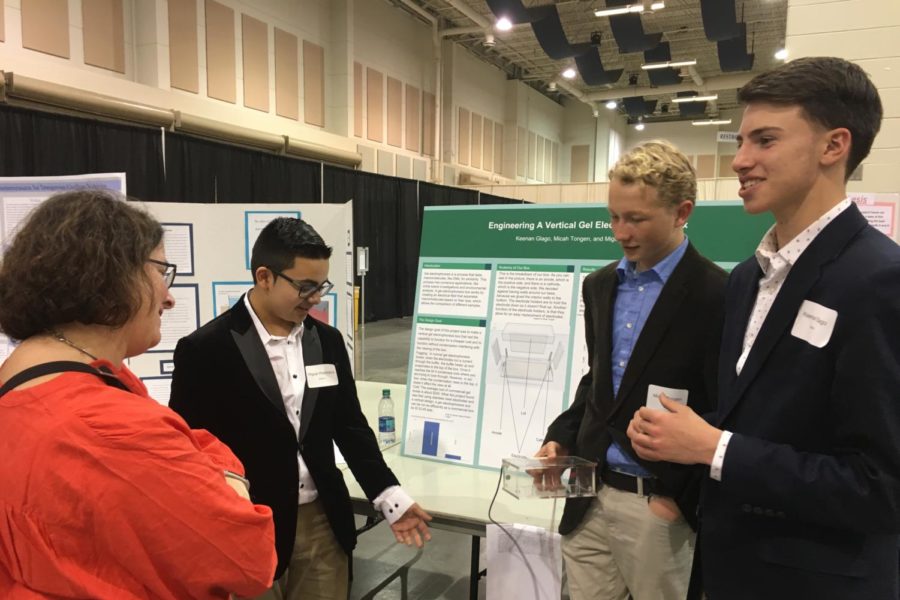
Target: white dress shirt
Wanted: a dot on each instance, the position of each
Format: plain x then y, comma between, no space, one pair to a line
286,356
776,264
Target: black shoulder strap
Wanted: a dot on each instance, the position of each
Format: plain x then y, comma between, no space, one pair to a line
60,366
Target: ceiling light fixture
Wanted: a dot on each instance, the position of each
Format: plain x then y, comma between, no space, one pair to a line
782,54
712,122
503,24
639,126
632,8
709,98
611,105
569,73
668,63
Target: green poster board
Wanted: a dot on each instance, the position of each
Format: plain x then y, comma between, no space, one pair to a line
498,336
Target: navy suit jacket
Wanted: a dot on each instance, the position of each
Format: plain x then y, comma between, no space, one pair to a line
809,502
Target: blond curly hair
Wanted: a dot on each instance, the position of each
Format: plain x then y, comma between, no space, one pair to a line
661,166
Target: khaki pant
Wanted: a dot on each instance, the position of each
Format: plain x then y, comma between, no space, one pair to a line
319,566
621,547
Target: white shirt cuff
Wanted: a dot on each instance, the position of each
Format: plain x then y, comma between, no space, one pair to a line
393,502
715,468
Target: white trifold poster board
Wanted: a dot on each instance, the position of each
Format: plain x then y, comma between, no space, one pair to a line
210,244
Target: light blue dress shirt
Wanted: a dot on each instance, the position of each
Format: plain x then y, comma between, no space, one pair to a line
637,293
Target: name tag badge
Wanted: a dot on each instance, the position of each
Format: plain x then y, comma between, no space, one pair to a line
653,392
318,376
814,323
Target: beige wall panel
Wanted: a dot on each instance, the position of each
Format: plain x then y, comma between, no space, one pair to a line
220,62
462,137
521,151
880,173
385,162
877,179
313,84
104,34
498,147
532,155
357,99
841,16
725,165
487,156
428,122
477,124
375,105
539,163
887,156
255,52
45,26
413,118
394,112
884,72
183,59
889,136
580,163
287,79
549,194
419,169
706,166
528,193
369,163
890,101
2,24
404,167
852,45
554,163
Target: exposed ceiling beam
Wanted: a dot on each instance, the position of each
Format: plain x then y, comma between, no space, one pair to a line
712,84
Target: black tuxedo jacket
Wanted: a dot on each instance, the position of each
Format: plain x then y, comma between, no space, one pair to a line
809,502
224,382
678,348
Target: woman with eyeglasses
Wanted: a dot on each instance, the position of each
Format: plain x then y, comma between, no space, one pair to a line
104,493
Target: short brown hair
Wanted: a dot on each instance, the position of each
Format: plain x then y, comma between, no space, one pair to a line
78,257
283,240
661,166
832,92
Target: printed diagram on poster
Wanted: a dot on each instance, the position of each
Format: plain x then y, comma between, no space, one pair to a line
525,378
179,241
527,359
180,321
159,387
326,310
227,293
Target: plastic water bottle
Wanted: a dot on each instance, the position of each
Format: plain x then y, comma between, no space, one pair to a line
386,428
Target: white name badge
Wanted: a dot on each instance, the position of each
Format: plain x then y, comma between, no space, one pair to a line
318,376
814,323
653,392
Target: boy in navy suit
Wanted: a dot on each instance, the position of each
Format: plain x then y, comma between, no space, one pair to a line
803,494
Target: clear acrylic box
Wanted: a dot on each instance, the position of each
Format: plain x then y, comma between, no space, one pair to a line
559,477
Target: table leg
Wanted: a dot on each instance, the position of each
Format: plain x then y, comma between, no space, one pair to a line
473,569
